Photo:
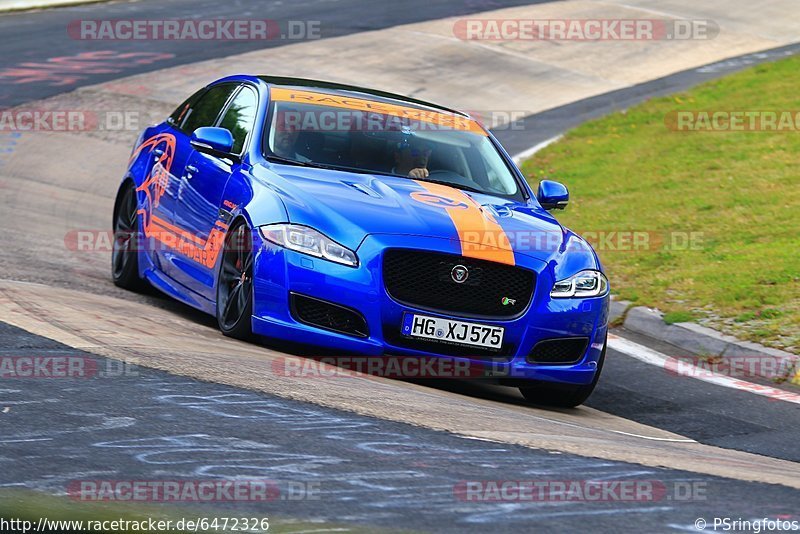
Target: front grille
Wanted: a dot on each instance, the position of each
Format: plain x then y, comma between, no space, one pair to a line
328,315
562,351
425,280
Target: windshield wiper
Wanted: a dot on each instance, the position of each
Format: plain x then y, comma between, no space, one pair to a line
313,164
290,161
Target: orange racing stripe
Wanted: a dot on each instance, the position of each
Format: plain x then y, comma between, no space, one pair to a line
476,228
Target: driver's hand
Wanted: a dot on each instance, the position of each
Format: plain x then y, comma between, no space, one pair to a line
420,172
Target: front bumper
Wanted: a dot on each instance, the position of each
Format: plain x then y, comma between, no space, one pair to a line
279,271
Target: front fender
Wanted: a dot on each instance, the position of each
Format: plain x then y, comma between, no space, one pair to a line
576,255
253,199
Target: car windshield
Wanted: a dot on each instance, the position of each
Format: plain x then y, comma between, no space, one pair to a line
368,136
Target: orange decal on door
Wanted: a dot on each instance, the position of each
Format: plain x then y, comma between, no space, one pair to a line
202,251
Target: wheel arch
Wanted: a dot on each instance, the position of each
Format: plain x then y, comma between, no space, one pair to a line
239,217
127,181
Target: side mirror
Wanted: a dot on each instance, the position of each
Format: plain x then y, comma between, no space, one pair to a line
215,141
552,195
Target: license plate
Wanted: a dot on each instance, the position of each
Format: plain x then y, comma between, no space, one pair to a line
449,331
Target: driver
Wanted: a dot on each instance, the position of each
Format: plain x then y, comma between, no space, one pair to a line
411,158
286,133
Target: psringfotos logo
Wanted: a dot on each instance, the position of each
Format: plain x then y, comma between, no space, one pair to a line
757,525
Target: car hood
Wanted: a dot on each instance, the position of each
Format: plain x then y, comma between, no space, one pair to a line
349,206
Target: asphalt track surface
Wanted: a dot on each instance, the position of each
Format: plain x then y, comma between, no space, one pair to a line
34,41
190,427
366,472
31,40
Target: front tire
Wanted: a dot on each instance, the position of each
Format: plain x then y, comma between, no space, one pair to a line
563,395
235,284
125,249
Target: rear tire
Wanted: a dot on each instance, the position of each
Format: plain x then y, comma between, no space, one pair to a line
563,395
125,249
235,284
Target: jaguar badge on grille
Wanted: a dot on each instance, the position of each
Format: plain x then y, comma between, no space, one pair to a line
459,274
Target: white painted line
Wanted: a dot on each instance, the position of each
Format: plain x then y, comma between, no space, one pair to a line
316,531
41,4
645,9
648,355
534,149
674,440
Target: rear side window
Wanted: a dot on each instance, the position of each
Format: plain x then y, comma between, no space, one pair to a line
180,113
207,109
240,117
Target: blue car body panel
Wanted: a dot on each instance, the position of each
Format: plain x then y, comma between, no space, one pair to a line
366,213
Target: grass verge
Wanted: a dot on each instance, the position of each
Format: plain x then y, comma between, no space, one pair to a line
706,223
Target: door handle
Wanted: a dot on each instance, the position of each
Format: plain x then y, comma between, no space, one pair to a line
191,168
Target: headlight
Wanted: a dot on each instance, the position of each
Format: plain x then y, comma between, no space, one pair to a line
583,284
308,241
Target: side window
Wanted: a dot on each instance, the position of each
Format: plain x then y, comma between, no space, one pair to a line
207,109
179,115
240,117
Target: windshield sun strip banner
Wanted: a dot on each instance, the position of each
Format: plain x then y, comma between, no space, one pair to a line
444,120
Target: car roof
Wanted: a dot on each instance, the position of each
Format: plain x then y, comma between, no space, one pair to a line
348,90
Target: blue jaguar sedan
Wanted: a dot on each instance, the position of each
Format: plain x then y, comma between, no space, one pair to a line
366,223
